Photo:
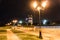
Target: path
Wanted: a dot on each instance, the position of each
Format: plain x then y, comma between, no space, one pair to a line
11,35
47,33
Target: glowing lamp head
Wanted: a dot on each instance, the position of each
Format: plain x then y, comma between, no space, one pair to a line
35,4
44,3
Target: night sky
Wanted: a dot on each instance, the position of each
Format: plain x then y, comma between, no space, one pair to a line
20,9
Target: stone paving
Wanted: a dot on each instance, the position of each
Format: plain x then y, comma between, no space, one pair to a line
11,35
47,33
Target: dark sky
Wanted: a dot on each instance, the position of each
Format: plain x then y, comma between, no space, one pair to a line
19,9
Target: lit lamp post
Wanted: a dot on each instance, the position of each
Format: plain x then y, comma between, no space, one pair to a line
14,21
40,33
43,5
38,8
35,4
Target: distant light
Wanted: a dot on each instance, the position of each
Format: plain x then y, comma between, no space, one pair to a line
8,24
44,22
26,19
20,22
15,21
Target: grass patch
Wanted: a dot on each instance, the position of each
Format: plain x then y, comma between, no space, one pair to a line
4,28
16,31
3,32
28,26
25,36
2,37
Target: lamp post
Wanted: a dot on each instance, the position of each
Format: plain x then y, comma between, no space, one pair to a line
40,33
38,8
43,5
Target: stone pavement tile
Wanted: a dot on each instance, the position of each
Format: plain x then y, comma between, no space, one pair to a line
11,35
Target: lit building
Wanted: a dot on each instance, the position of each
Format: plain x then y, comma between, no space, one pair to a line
30,20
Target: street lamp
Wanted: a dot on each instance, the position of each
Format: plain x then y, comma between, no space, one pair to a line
35,4
40,34
14,21
39,8
44,3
